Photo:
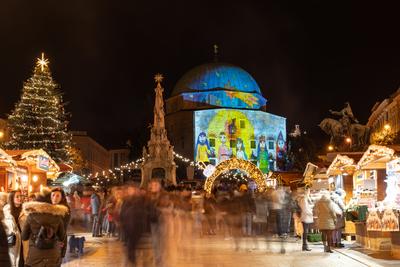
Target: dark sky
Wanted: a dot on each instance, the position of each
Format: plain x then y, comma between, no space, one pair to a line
307,56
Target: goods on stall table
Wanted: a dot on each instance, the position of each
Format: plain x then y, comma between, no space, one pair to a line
374,222
390,221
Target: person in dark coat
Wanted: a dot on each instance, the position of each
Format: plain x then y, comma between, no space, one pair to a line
58,198
40,213
133,220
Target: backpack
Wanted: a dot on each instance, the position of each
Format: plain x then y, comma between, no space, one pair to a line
46,238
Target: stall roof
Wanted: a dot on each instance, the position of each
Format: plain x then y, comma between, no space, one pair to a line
30,157
7,159
344,163
376,157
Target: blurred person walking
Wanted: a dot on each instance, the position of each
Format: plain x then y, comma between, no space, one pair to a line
85,209
153,218
132,220
278,205
210,212
95,209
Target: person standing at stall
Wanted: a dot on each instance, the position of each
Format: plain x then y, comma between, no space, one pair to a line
12,211
326,215
4,258
306,216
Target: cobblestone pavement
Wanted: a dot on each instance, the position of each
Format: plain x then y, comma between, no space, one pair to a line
218,252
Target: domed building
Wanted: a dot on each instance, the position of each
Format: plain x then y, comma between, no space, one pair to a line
217,111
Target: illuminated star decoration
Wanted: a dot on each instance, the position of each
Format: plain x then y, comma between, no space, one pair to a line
42,62
158,78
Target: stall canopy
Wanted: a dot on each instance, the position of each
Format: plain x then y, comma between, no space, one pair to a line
7,160
38,159
376,157
344,164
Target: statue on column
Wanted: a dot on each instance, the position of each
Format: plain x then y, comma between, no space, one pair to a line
160,151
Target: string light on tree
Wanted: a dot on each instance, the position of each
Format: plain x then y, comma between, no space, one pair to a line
38,120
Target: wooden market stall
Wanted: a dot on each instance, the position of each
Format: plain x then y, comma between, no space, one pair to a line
370,191
34,167
8,169
340,173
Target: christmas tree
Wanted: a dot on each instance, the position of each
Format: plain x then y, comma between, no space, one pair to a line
39,119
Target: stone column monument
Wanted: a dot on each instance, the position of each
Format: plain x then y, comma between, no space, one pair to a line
159,156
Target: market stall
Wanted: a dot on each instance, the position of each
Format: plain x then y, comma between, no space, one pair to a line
377,217
8,169
34,167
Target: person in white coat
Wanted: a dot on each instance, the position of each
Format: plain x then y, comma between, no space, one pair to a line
338,203
307,218
12,212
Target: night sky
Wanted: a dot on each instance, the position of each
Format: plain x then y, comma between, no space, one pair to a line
307,56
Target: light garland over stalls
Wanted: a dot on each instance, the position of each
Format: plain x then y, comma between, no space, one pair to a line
234,163
136,164
199,165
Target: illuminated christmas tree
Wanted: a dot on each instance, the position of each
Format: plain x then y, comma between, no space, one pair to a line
39,119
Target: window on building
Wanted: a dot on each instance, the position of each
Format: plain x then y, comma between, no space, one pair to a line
116,159
242,124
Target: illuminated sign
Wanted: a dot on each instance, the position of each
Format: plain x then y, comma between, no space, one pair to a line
43,163
252,135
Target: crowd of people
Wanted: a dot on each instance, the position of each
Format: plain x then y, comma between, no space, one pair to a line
34,230
174,218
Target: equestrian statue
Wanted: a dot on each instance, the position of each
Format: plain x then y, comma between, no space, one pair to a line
347,126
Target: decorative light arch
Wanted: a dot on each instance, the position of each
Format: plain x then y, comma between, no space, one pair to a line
231,164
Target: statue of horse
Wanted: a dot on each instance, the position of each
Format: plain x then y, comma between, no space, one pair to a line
331,127
359,133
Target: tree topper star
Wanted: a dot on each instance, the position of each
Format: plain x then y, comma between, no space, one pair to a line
158,77
42,62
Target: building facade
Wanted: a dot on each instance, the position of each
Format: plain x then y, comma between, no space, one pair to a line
95,155
118,157
386,113
217,111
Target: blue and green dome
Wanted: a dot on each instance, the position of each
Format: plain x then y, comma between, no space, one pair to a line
213,76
